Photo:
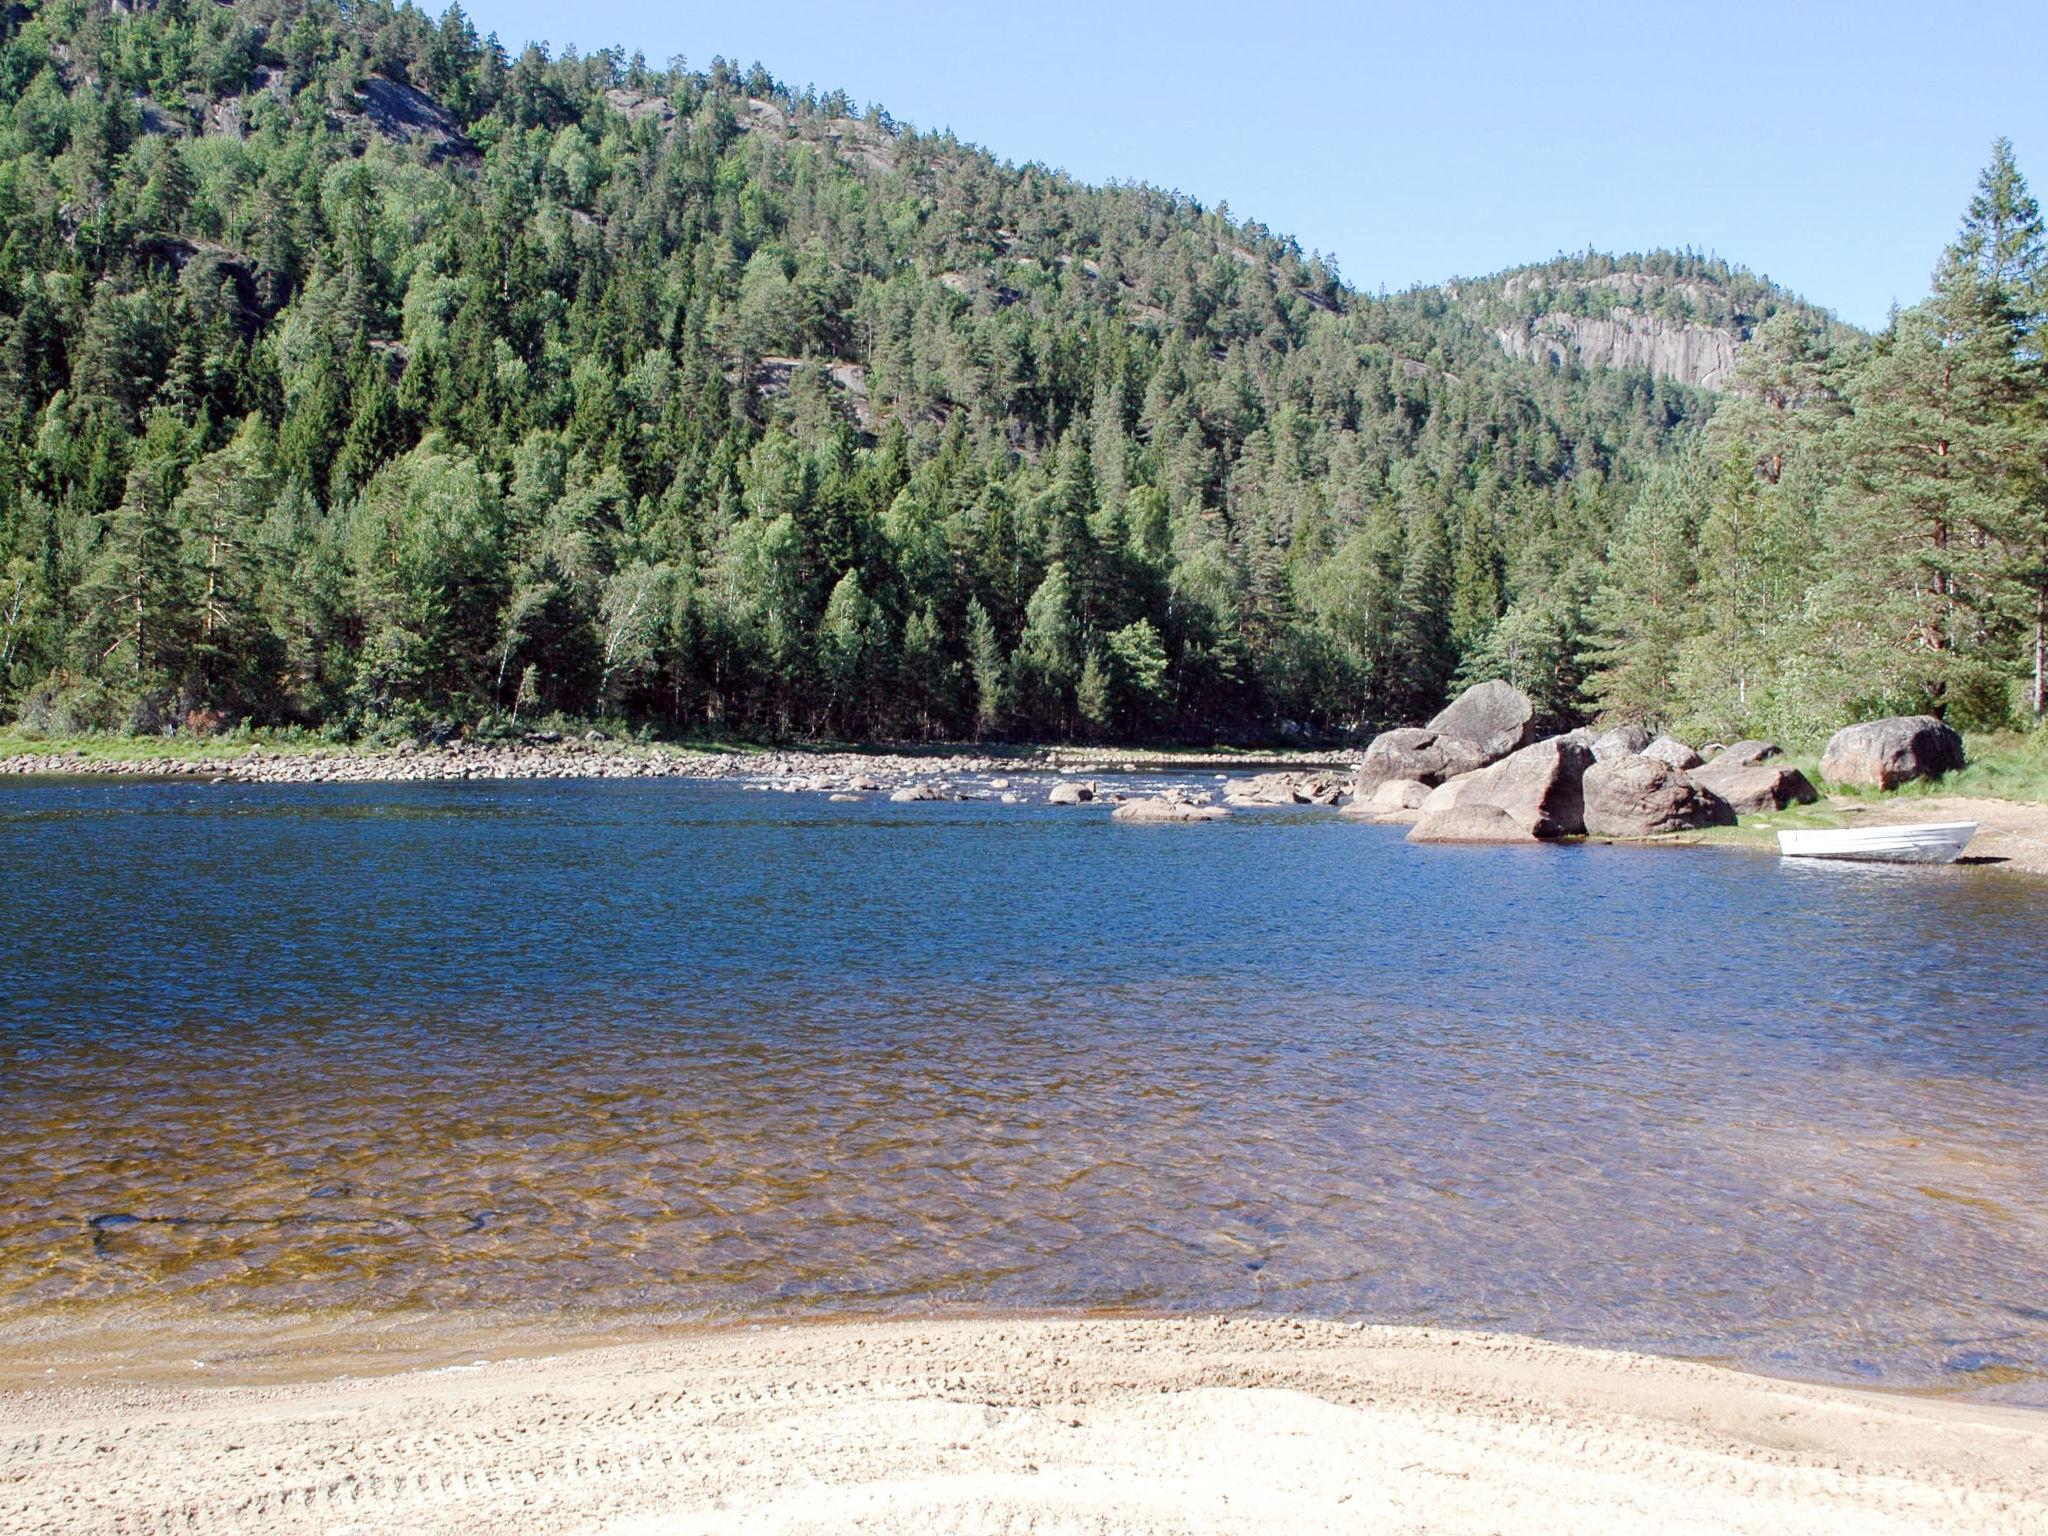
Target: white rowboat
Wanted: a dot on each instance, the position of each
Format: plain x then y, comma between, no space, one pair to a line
1927,842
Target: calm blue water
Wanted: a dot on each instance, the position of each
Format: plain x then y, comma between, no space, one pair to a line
683,1050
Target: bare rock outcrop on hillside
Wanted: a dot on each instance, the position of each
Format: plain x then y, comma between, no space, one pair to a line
1698,355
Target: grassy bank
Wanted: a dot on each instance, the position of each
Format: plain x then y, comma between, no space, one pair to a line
2010,766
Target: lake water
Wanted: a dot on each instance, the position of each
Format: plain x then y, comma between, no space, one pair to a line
619,1051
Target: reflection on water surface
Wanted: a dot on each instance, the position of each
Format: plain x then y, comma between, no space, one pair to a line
678,1050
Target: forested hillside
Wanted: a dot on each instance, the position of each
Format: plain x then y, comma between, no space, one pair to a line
358,373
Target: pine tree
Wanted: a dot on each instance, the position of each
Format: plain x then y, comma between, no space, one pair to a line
1475,577
848,640
1095,694
2002,243
1047,663
1641,613
1424,657
986,667
1933,458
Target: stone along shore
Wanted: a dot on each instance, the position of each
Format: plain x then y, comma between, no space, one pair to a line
586,759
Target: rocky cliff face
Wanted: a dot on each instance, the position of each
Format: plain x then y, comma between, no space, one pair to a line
1622,320
1691,354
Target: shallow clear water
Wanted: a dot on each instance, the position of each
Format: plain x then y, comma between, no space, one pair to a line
639,1049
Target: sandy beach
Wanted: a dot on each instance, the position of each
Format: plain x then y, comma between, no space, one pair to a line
1084,1426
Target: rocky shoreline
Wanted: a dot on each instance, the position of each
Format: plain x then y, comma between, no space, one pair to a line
1065,776
1481,771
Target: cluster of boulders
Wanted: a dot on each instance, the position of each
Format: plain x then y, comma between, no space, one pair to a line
1482,771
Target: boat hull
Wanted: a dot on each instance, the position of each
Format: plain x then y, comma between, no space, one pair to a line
1921,843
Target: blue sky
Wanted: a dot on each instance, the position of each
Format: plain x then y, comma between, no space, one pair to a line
1831,147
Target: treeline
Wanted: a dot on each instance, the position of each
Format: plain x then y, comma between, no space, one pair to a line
358,373
683,397
1862,528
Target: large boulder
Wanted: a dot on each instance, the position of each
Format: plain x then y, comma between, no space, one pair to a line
1395,800
1538,790
1475,823
1070,794
1754,787
1887,753
1496,717
1625,740
1165,808
1642,796
1414,753
1669,749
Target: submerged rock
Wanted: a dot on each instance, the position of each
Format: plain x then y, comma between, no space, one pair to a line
1643,796
1165,808
1887,753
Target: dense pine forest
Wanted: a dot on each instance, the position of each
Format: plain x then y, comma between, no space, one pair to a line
358,373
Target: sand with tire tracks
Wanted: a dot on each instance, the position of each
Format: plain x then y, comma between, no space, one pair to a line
1101,1425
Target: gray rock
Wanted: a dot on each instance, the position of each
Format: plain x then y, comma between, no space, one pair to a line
1641,796
1164,808
1266,789
1753,787
1320,789
1622,336
1887,753
1626,740
910,792
844,799
1395,800
1476,823
1669,749
1747,754
1496,717
1411,752
1538,789
1287,789
1070,794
